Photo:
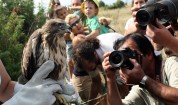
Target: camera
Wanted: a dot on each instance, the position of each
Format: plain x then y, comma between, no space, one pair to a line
163,10
121,57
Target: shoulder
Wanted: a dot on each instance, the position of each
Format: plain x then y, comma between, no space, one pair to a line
171,61
129,22
171,65
110,36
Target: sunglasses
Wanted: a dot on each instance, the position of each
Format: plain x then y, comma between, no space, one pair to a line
74,24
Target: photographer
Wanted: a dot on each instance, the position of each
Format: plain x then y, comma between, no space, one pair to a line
87,57
131,24
155,82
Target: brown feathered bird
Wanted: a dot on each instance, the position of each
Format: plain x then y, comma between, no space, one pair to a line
46,43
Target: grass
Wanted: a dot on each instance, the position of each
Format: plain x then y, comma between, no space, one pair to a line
119,17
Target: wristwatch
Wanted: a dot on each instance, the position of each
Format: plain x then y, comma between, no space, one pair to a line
142,82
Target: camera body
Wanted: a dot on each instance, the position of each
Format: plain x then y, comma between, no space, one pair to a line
163,10
121,58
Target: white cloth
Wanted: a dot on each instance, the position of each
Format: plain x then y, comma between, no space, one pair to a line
17,87
171,72
106,43
128,23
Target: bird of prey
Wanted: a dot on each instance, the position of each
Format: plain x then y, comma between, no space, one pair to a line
46,43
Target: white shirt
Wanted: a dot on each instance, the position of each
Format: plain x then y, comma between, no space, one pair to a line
106,43
128,23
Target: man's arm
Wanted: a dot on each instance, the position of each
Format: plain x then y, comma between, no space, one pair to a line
6,85
167,94
113,93
93,34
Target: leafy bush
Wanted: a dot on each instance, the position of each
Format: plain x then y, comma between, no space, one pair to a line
18,21
102,4
117,4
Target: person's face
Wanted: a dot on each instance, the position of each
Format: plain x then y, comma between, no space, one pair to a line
61,14
90,66
130,44
90,9
138,3
146,60
76,3
76,26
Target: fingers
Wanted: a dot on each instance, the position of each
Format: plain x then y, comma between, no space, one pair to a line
44,70
134,62
54,88
106,63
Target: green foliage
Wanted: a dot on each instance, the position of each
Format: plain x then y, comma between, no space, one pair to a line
102,4
117,4
18,21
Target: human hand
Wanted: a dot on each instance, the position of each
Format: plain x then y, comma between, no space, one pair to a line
78,39
39,90
133,76
110,71
159,34
67,36
134,10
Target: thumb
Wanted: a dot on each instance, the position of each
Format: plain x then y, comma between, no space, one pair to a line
44,70
159,25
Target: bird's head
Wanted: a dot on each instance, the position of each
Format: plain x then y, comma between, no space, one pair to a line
55,27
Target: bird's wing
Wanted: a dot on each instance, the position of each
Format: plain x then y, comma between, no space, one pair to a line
29,57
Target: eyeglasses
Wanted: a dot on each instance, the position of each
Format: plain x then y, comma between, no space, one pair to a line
74,24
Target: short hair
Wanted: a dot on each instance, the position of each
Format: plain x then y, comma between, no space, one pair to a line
142,42
85,51
70,16
58,8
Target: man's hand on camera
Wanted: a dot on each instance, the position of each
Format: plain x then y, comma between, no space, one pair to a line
110,72
133,76
159,34
39,90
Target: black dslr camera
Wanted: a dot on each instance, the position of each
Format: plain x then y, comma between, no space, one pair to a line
163,10
121,58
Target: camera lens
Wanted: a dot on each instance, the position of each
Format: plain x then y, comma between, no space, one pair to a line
143,17
116,58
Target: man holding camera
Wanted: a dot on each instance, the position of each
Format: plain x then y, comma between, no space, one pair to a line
131,24
154,82
87,57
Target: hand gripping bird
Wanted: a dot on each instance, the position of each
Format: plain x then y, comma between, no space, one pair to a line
46,43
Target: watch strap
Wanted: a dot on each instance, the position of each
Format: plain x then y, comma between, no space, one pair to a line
142,82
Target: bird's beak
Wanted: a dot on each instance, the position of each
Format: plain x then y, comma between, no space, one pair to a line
67,29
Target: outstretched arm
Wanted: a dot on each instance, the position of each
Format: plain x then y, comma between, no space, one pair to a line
6,85
167,94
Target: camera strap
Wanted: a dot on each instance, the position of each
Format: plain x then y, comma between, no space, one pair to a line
158,68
